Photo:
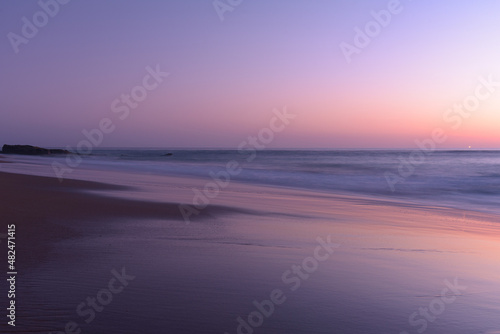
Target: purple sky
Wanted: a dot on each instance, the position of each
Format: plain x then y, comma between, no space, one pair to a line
227,76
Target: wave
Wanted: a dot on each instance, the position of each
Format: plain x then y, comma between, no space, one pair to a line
464,179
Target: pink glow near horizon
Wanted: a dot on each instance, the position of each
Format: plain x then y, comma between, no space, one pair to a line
226,77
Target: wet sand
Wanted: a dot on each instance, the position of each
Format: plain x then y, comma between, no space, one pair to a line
46,210
393,259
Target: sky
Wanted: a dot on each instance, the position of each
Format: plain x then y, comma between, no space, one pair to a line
230,63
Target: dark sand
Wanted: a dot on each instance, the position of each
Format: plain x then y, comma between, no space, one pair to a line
46,210
199,278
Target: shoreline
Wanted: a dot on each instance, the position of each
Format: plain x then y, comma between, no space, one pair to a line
45,210
121,172
56,211
70,235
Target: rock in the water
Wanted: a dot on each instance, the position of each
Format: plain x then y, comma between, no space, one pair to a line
168,154
30,150
24,149
58,151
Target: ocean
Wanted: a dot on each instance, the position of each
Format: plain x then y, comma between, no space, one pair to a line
420,256
465,179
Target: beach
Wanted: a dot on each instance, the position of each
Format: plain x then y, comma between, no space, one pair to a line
118,256
250,167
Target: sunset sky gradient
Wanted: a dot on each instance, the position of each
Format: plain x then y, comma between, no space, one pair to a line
227,76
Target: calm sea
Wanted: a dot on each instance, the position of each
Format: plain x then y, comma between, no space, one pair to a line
460,179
